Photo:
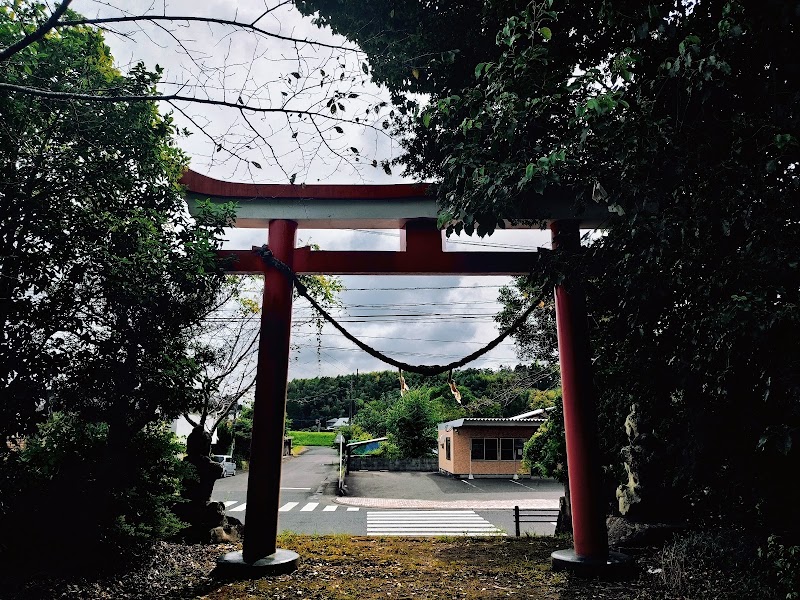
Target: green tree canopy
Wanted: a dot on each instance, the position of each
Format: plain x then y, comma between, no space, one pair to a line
105,278
411,424
682,119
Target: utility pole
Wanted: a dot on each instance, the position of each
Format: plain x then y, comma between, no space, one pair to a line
350,421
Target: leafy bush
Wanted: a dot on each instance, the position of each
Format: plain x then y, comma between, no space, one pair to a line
783,562
355,433
546,451
386,450
78,494
411,424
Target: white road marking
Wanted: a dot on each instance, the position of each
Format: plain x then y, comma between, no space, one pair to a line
230,503
288,506
429,523
330,508
352,509
469,484
309,507
527,487
298,489
241,508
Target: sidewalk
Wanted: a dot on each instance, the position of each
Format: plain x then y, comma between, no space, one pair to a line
526,503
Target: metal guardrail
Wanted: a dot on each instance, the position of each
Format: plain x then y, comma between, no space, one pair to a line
534,515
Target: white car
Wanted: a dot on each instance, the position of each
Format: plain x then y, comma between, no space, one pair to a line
227,462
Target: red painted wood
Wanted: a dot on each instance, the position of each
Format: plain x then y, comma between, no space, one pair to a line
269,406
315,262
580,421
201,184
421,254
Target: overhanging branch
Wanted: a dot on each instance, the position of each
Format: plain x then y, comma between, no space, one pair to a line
29,39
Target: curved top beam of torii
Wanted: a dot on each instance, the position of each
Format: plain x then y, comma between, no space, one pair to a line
405,207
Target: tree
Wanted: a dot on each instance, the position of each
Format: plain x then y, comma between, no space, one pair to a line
411,425
682,119
228,342
287,102
105,282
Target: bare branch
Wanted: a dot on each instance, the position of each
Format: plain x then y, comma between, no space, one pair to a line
29,39
55,95
208,20
269,10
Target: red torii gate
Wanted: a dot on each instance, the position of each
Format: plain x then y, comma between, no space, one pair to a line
282,208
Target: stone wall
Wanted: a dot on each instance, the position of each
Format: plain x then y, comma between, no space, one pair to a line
377,463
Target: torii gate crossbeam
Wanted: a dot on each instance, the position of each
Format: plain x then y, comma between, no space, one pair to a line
408,208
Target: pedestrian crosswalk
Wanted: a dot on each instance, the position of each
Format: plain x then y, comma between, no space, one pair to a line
429,523
407,522
234,506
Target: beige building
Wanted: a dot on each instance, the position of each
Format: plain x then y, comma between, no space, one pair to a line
485,447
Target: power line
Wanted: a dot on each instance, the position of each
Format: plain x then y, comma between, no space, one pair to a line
398,352
405,339
414,289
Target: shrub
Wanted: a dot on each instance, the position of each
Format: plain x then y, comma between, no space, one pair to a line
77,496
412,425
783,562
701,562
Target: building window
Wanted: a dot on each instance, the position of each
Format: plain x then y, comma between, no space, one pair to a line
477,449
491,448
507,449
495,449
484,448
519,443
447,448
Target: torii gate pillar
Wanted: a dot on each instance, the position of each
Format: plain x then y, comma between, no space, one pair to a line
590,554
259,549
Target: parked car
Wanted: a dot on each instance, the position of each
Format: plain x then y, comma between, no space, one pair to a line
227,462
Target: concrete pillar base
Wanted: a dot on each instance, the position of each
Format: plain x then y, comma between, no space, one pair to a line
616,565
232,565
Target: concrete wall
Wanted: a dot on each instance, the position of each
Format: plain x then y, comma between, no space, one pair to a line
377,463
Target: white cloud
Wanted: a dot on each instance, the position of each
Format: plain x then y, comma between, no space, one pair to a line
217,62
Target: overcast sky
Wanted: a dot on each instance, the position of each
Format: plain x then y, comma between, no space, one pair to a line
449,317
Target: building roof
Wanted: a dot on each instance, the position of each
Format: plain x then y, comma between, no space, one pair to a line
532,413
491,422
364,442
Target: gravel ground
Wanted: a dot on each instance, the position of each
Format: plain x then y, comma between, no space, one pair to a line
363,568
167,570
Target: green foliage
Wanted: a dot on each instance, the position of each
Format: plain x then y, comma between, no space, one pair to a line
485,392
105,282
311,438
387,449
78,496
355,433
546,451
783,562
651,110
411,424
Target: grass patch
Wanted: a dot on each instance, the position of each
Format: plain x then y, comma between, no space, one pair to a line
312,438
343,567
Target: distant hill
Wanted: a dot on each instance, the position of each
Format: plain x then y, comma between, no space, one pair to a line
502,392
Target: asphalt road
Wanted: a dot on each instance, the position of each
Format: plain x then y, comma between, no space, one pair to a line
379,501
